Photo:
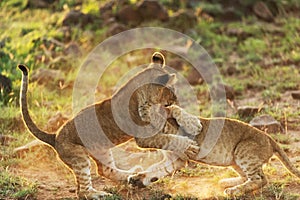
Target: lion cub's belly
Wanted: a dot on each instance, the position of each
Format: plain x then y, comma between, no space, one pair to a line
219,155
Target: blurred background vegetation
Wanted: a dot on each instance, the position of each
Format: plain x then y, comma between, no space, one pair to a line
255,45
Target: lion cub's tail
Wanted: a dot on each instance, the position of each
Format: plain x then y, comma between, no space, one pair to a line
284,159
38,133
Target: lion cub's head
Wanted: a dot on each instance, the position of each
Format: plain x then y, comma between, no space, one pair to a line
156,84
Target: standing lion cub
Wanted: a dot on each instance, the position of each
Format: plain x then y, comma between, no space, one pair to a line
94,130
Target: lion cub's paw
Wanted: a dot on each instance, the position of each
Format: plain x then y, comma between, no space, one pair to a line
233,191
190,123
93,195
192,150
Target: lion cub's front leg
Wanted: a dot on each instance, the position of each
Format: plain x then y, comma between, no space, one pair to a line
184,147
165,139
190,123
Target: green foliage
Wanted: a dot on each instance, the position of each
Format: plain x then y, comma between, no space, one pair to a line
265,54
15,187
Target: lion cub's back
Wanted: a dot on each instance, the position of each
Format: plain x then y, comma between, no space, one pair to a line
220,136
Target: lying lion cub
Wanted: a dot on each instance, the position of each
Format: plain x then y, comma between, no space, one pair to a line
239,145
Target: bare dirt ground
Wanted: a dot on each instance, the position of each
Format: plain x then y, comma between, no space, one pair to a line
56,182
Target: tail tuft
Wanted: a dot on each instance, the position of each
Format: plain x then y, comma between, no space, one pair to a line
24,69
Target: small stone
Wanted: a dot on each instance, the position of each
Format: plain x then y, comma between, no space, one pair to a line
296,95
262,11
267,123
129,15
231,70
152,10
194,77
39,3
248,111
75,17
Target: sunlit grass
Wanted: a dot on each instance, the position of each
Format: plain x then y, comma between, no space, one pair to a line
13,187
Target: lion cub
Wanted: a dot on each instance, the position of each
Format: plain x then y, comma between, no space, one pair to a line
94,130
239,145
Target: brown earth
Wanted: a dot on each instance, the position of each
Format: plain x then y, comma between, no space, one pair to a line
56,182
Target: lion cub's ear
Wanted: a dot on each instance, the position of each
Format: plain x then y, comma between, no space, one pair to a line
166,79
158,58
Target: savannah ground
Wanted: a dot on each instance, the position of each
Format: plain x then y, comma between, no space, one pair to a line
259,61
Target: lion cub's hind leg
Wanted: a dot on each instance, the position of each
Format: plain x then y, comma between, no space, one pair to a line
250,162
77,159
231,182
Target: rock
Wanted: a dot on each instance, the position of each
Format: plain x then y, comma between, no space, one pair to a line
75,17
248,111
55,122
217,92
267,123
262,11
152,10
183,20
115,29
46,76
73,49
5,84
176,63
194,77
296,94
39,3
129,15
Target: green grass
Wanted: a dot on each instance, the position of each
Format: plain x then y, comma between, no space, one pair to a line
12,187
266,56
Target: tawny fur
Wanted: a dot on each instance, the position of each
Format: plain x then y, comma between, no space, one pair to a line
239,145
69,145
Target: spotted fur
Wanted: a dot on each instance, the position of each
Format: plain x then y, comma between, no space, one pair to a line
69,145
239,145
